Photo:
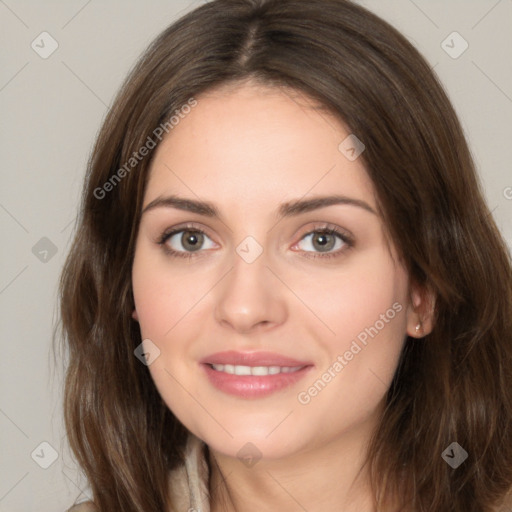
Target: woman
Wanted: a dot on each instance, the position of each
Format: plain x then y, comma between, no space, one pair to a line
286,290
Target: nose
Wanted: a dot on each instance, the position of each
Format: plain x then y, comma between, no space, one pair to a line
250,297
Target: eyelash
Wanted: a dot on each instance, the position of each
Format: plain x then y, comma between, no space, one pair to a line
322,229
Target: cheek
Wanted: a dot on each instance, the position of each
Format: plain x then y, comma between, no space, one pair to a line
366,310
164,300
162,296
362,294
153,306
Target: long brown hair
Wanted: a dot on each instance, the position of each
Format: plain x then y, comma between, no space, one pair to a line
454,385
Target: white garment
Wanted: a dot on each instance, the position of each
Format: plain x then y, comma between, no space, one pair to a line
189,482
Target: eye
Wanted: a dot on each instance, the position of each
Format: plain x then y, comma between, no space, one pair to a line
185,241
324,241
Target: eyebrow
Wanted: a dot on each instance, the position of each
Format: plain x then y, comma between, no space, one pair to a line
288,209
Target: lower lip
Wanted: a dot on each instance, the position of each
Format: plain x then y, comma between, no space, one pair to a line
252,386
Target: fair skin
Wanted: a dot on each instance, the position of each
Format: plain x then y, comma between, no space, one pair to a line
248,149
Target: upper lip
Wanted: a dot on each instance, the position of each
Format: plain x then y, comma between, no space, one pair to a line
252,359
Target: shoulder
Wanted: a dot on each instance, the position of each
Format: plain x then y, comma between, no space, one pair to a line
87,506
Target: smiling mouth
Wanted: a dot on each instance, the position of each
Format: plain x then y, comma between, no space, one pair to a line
253,382
260,371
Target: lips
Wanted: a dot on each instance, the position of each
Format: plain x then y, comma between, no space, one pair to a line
252,359
255,384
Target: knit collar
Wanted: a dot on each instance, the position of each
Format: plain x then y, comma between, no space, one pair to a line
189,482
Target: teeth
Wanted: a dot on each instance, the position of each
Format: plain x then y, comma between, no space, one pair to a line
254,370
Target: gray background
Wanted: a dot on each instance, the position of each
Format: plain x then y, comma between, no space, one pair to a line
51,110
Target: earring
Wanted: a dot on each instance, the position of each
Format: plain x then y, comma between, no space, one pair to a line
418,328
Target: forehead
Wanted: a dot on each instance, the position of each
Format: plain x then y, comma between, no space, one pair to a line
257,145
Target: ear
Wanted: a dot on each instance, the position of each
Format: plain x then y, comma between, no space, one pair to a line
420,311
135,316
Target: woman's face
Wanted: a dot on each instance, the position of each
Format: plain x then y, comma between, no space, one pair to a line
256,272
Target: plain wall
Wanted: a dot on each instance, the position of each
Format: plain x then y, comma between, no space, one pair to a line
51,110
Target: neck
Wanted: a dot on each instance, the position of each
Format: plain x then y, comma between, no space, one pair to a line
328,477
